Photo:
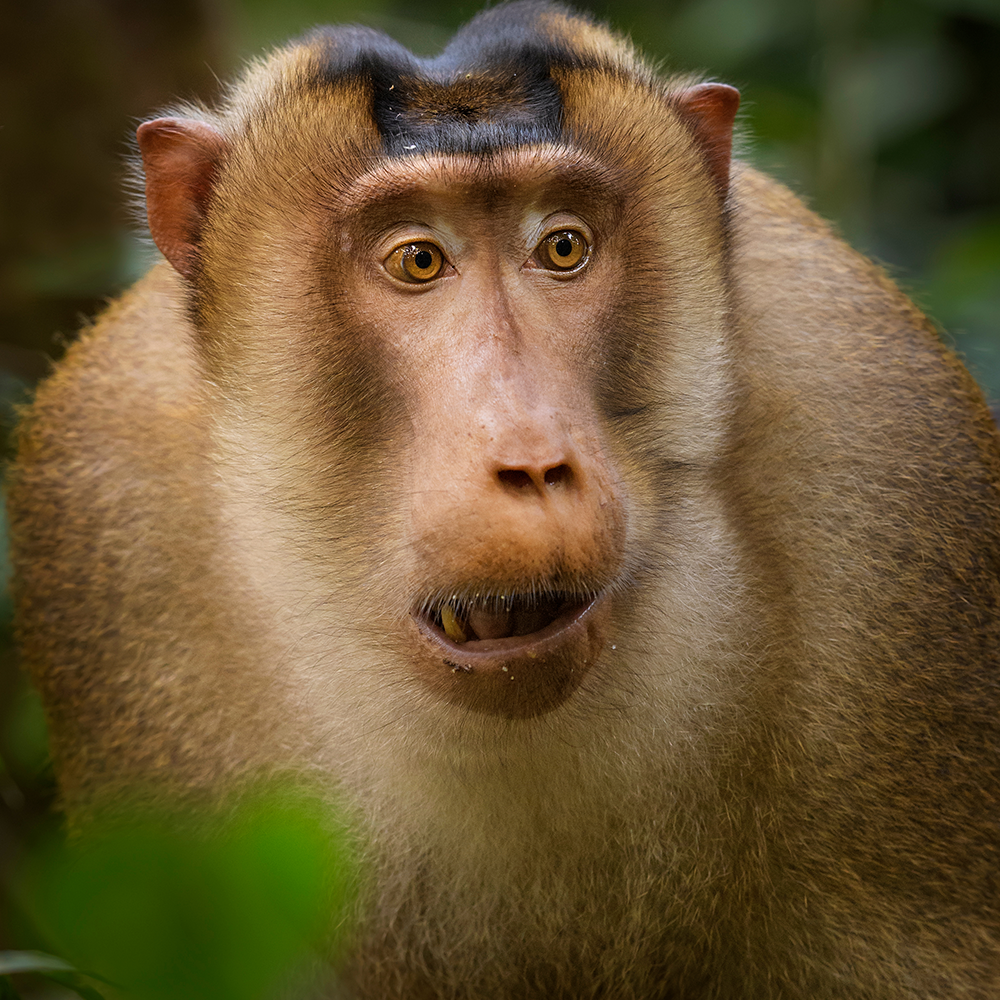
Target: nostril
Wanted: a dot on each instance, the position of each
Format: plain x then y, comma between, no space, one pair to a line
558,475
517,478
521,479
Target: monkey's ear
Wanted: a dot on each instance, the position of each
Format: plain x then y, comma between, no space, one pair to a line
710,109
181,157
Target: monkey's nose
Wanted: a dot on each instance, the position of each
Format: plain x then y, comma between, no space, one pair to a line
541,477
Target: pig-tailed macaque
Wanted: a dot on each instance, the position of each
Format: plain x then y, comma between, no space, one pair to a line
619,543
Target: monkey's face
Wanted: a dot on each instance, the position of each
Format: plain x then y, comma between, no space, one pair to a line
462,375
486,287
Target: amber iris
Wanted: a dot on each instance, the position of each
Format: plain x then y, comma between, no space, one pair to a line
563,250
415,262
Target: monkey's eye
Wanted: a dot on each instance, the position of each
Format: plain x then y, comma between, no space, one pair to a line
563,251
415,262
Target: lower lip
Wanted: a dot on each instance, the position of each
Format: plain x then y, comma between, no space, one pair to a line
519,676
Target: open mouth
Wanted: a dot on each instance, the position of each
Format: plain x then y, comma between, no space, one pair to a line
512,654
504,616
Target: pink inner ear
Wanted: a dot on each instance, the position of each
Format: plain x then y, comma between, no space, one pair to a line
710,108
181,158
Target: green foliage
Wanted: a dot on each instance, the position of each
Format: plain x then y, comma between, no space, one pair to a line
232,906
40,964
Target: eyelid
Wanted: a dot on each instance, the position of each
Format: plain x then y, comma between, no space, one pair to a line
554,222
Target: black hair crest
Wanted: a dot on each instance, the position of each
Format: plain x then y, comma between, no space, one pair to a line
492,87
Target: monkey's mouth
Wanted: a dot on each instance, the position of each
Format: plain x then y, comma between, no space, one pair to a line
504,616
513,654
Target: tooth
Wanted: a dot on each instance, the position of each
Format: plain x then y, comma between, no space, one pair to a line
451,624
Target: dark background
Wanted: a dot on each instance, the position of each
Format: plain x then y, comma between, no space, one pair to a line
883,114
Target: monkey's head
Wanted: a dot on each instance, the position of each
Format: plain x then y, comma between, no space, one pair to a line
449,311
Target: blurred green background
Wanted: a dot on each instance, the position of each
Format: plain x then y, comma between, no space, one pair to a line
883,114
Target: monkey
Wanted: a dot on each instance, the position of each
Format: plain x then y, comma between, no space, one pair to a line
494,445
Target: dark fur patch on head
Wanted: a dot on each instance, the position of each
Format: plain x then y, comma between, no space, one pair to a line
490,89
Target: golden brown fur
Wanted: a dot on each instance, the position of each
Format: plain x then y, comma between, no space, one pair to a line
776,774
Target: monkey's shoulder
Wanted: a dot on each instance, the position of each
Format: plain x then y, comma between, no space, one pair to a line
137,358
815,312
118,425
107,498
783,248
850,392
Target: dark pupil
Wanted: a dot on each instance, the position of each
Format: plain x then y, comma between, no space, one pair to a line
564,247
423,259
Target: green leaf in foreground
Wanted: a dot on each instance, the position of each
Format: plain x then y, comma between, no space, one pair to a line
38,963
12,962
227,909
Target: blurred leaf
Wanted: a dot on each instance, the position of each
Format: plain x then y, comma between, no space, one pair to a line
38,963
72,983
31,961
220,909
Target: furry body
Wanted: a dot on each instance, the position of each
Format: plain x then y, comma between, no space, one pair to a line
779,777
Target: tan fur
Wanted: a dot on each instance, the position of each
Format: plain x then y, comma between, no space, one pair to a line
776,776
